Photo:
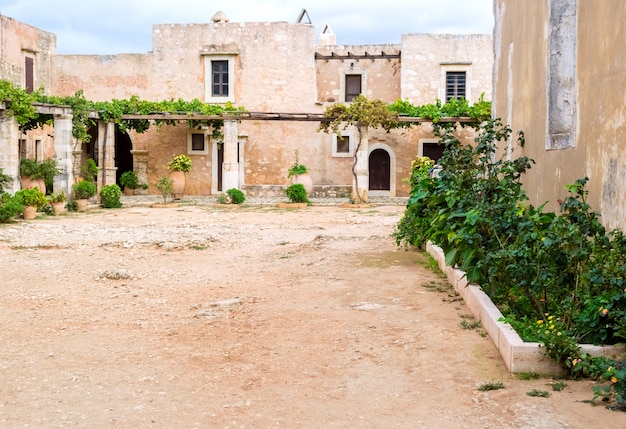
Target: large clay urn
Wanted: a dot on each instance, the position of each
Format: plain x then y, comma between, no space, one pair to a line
178,184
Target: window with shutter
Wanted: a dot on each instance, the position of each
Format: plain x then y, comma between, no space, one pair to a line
29,73
219,78
455,85
353,86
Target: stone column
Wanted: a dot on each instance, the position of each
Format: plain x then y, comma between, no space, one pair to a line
230,166
362,166
140,166
9,150
106,154
63,152
77,157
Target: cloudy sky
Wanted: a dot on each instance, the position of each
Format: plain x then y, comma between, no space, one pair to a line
125,26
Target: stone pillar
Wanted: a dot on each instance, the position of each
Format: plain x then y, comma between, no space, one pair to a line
362,166
63,152
77,157
106,154
140,167
9,151
230,166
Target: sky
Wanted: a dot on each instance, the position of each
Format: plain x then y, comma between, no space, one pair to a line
106,27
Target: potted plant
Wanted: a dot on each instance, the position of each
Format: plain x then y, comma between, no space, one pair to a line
49,168
299,173
57,201
30,174
178,166
89,170
83,190
32,199
129,182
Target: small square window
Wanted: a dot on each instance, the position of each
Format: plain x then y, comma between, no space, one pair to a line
197,144
343,146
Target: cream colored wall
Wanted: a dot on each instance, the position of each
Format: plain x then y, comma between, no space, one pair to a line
602,105
426,57
520,100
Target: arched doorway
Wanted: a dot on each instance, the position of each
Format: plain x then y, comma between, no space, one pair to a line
123,156
379,170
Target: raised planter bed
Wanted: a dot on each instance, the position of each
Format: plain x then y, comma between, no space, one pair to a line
519,356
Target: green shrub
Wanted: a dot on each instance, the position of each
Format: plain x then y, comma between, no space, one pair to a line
180,163
30,168
110,196
297,194
89,170
5,179
10,207
128,179
84,190
236,196
31,197
165,186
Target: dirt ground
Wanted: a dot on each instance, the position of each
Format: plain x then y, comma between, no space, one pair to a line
252,317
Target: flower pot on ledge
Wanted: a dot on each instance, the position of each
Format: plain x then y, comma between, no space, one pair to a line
178,188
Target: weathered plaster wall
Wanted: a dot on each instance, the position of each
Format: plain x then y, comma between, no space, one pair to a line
601,69
520,85
103,77
521,95
380,76
19,40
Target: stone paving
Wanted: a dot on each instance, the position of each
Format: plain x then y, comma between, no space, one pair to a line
140,200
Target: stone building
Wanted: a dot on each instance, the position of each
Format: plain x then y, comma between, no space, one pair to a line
559,77
267,67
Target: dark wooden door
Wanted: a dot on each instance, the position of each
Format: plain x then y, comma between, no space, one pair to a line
379,170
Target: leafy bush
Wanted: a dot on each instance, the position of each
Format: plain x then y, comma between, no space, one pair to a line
129,180
84,190
165,186
110,196
562,270
10,207
31,197
236,196
296,168
30,168
89,170
180,163
5,179
297,194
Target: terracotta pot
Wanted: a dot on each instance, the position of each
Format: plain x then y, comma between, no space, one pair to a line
129,192
178,189
30,212
28,183
81,205
305,180
58,208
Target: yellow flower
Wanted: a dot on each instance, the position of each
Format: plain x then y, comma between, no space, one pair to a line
614,379
551,326
539,322
551,317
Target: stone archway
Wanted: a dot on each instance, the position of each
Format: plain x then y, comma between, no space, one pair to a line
381,171
123,154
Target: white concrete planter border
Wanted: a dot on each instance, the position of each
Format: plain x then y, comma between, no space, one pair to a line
518,355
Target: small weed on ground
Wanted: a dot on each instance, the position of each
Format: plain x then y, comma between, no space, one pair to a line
492,385
557,386
539,393
528,376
